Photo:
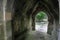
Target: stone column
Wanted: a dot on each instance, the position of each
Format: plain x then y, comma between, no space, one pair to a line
55,30
33,22
1,21
3,35
50,26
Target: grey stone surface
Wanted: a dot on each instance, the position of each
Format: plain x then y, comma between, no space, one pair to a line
36,35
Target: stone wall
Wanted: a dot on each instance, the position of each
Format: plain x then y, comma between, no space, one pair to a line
2,35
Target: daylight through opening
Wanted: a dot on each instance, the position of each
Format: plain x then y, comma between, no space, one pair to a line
41,22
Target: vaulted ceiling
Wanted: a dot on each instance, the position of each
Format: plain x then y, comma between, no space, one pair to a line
29,6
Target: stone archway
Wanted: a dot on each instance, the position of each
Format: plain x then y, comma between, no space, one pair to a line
22,17
22,12
51,27
50,20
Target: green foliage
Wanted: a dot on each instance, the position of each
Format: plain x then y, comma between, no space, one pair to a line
40,15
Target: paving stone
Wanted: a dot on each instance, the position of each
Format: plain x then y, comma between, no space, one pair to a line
36,35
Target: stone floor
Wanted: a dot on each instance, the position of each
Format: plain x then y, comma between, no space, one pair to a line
36,35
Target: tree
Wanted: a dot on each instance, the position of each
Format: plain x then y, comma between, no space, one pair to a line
40,15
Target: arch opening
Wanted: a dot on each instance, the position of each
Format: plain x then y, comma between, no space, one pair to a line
41,22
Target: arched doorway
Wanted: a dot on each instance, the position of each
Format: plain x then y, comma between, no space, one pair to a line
41,22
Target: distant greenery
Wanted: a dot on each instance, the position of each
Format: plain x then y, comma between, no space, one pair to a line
40,15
